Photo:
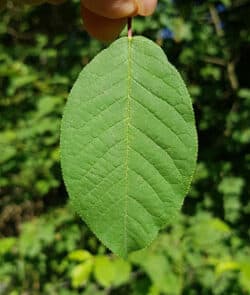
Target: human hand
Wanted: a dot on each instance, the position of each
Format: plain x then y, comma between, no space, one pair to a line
105,19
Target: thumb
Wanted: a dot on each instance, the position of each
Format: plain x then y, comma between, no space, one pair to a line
146,7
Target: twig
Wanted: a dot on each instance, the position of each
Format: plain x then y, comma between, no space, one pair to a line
232,75
216,20
215,60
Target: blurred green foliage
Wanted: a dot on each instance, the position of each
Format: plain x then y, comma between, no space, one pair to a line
44,247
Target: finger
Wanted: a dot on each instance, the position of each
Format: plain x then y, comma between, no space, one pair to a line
112,8
146,7
101,28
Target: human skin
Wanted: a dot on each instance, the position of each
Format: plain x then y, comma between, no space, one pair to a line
105,19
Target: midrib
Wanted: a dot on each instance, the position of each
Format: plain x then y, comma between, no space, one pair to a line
127,124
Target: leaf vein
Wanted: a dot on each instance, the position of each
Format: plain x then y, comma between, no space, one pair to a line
177,135
149,184
161,98
159,146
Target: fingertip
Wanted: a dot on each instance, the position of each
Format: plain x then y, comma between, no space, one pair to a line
112,9
101,28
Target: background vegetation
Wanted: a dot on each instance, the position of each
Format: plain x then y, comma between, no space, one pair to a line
44,247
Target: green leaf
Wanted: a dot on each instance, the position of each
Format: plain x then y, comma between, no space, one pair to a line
81,272
122,271
227,265
159,271
154,290
92,289
111,272
6,244
128,144
104,271
245,274
80,255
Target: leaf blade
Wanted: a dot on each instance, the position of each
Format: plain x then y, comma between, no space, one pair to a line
128,144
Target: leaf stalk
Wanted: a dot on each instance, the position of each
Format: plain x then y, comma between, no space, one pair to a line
130,28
